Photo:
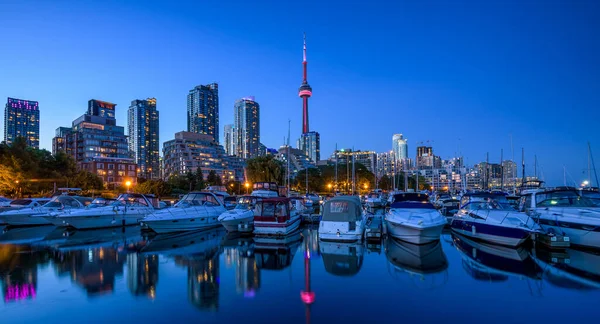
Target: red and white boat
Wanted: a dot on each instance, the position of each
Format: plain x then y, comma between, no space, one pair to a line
275,216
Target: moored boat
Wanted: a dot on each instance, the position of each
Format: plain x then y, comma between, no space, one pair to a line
195,211
275,216
343,219
33,215
414,219
241,216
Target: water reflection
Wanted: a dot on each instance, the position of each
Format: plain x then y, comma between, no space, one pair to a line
239,252
19,271
25,235
199,253
494,263
578,269
276,253
424,264
311,245
342,259
142,274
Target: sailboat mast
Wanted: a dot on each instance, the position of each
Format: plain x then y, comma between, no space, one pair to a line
336,166
523,166
593,165
287,148
501,169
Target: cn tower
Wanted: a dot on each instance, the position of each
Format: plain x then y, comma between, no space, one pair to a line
304,92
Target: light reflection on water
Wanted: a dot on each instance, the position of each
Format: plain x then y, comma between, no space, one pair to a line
126,275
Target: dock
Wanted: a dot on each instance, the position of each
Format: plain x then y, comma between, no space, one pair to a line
374,228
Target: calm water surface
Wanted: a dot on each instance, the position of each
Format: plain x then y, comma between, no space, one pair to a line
59,276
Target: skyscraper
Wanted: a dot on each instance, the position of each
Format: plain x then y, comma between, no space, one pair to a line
400,147
228,139
22,118
203,110
142,123
309,142
246,117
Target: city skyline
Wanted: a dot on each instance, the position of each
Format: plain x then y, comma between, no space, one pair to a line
469,94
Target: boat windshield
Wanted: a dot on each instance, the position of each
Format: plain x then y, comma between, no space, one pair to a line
490,204
197,199
272,209
562,199
130,200
62,201
373,195
245,203
593,196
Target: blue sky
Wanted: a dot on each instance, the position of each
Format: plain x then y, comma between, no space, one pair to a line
463,75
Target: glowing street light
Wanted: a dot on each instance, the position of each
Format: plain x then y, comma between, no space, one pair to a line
128,184
247,185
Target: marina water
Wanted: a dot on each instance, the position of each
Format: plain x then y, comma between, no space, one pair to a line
115,275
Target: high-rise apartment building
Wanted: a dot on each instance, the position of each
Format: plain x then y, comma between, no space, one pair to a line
203,110
98,145
142,123
22,119
189,151
246,114
228,139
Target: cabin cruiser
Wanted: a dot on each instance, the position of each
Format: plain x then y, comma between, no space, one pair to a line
230,202
196,210
564,211
343,220
4,202
25,203
414,219
265,189
489,217
241,216
128,209
32,216
374,200
275,216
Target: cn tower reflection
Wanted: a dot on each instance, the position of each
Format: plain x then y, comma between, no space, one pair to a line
311,248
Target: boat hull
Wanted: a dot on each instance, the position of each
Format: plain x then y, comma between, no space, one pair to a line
577,236
102,221
497,234
273,228
338,231
25,220
181,225
415,234
233,221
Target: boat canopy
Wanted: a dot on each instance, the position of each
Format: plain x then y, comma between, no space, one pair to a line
265,186
207,199
272,207
411,200
342,209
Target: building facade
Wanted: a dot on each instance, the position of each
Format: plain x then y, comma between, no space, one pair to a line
310,143
246,114
98,145
143,130
366,158
228,139
297,160
188,151
203,110
22,119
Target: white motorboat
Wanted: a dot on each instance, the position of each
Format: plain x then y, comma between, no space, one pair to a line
490,217
414,219
195,211
241,216
24,203
33,215
374,200
128,209
564,211
275,216
343,220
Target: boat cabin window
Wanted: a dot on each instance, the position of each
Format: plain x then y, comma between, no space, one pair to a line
274,209
562,199
62,201
594,197
198,199
245,203
21,202
373,195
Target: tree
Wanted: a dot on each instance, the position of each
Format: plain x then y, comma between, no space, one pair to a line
159,188
265,169
199,179
385,183
87,180
316,182
213,179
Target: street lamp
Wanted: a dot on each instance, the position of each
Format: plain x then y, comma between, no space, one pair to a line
585,183
17,182
330,186
247,185
128,184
